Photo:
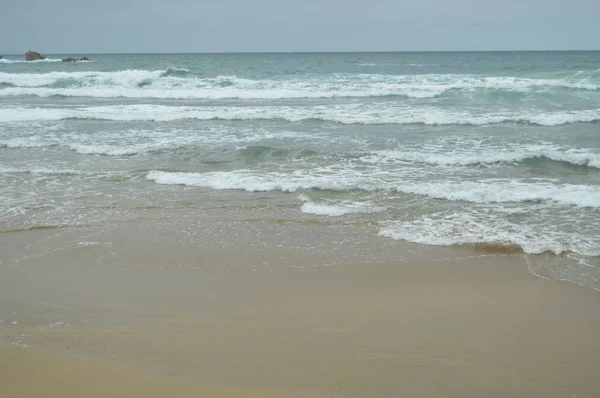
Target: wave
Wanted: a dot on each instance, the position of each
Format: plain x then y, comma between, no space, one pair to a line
20,61
261,152
382,113
151,140
179,83
493,191
177,72
91,148
97,149
84,148
249,181
39,170
256,153
336,209
27,142
490,233
489,156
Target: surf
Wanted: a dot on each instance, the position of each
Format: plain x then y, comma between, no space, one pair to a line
371,114
182,83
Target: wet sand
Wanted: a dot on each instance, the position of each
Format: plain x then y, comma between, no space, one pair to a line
34,373
462,324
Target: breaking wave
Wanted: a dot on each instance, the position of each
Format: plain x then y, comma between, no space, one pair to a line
336,209
492,191
508,191
489,232
379,113
20,61
489,156
179,83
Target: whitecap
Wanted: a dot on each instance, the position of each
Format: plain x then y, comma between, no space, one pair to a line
374,113
507,191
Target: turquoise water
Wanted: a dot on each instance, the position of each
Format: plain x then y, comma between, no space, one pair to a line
432,148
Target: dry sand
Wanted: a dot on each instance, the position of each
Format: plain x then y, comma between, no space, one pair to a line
470,326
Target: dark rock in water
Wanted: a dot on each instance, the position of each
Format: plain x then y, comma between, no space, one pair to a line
1,57
33,56
75,59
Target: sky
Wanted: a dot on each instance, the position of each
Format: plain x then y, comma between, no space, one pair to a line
162,26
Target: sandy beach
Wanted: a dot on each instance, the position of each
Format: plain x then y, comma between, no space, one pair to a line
451,322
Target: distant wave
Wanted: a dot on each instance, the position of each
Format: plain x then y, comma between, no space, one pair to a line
26,142
177,72
91,148
98,149
140,141
398,64
39,170
19,61
346,114
149,140
489,156
177,83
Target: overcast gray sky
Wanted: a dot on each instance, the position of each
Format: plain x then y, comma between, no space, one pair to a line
108,26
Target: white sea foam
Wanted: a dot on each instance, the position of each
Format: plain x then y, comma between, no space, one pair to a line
473,224
377,113
472,227
8,115
86,79
27,142
248,180
40,170
20,61
99,149
487,155
332,210
141,141
506,191
490,191
169,84
336,209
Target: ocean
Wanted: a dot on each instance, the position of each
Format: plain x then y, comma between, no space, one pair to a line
496,151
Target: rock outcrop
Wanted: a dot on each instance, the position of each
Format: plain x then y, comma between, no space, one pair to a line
75,59
33,56
1,57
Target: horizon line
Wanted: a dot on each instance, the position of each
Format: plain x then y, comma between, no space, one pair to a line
303,52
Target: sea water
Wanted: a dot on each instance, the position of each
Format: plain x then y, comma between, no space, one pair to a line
499,149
